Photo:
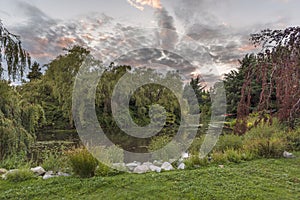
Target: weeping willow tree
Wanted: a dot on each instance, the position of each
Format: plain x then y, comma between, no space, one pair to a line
277,69
12,54
19,119
60,76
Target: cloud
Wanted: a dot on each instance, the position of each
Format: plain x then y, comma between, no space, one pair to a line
206,43
167,36
139,4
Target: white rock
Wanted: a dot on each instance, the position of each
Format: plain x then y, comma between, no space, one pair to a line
38,170
3,171
185,155
181,166
47,176
63,174
4,176
141,169
119,166
131,166
167,166
288,155
157,163
154,168
147,163
49,173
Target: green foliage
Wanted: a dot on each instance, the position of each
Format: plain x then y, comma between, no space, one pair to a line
19,175
233,156
293,139
195,161
83,163
60,75
105,170
229,141
56,162
160,142
219,158
14,161
19,120
265,141
194,148
109,155
247,155
35,72
11,50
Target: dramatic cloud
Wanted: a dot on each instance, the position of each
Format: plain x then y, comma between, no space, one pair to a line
139,4
167,36
207,44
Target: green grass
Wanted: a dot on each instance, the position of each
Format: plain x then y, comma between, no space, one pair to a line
259,179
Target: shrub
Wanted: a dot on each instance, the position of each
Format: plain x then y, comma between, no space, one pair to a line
173,149
19,175
83,163
195,161
265,141
233,156
219,158
293,140
104,170
196,145
55,162
247,155
109,155
229,141
15,161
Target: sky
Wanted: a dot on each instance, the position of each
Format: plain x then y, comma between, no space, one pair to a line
208,33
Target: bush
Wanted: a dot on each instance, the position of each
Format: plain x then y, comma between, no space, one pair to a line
229,141
109,155
233,156
196,145
104,170
219,158
160,142
265,141
55,162
19,175
293,140
15,161
195,161
247,155
83,163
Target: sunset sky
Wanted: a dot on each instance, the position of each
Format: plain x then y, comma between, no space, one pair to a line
221,29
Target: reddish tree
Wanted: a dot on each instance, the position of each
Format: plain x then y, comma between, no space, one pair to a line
278,70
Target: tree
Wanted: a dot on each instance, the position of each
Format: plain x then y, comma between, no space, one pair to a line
13,54
233,82
35,72
61,74
277,70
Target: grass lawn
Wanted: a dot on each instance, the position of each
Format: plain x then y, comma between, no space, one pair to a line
259,179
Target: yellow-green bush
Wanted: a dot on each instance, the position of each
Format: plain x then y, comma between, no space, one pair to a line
229,141
195,161
194,149
233,156
105,170
20,175
219,157
266,141
83,163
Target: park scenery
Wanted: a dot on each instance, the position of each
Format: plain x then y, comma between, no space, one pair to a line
149,99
